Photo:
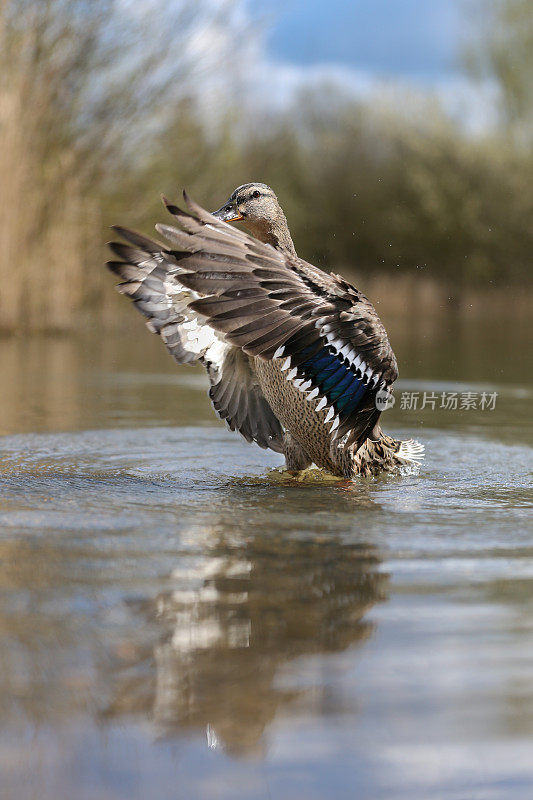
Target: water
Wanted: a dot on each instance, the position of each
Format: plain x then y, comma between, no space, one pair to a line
180,620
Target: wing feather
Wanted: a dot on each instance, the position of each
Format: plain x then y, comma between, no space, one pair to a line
150,276
258,300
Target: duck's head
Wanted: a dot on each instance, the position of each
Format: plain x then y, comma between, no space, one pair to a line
257,207
250,203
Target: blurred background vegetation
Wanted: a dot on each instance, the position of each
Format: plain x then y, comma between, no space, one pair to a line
104,105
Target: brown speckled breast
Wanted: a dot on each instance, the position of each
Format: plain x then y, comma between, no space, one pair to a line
295,412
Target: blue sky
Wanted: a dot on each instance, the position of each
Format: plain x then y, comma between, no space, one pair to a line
413,40
408,48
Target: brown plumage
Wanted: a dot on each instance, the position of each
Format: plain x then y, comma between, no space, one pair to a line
295,356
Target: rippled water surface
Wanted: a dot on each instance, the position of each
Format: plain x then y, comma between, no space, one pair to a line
178,619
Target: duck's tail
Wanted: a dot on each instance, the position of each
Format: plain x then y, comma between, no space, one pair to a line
383,454
410,452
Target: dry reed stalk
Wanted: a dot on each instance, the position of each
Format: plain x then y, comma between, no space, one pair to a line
43,281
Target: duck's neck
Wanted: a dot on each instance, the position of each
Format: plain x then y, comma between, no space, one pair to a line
276,233
280,238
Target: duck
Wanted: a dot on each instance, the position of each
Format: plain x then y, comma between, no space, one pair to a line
297,359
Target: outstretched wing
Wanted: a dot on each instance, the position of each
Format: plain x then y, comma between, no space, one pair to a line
150,276
237,398
328,334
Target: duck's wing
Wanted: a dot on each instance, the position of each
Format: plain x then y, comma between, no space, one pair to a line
148,273
237,398
333,345
271,305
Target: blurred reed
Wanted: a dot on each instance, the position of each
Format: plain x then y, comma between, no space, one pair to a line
83,86
46,222
101,111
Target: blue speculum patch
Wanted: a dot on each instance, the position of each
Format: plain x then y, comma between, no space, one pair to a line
335,380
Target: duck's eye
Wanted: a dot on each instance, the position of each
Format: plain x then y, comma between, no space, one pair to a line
228,208
256,193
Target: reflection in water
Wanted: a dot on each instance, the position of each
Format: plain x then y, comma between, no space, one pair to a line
229,625
100,381
135,589
95,623
95,381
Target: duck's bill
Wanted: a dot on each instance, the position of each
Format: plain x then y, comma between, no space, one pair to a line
227,214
